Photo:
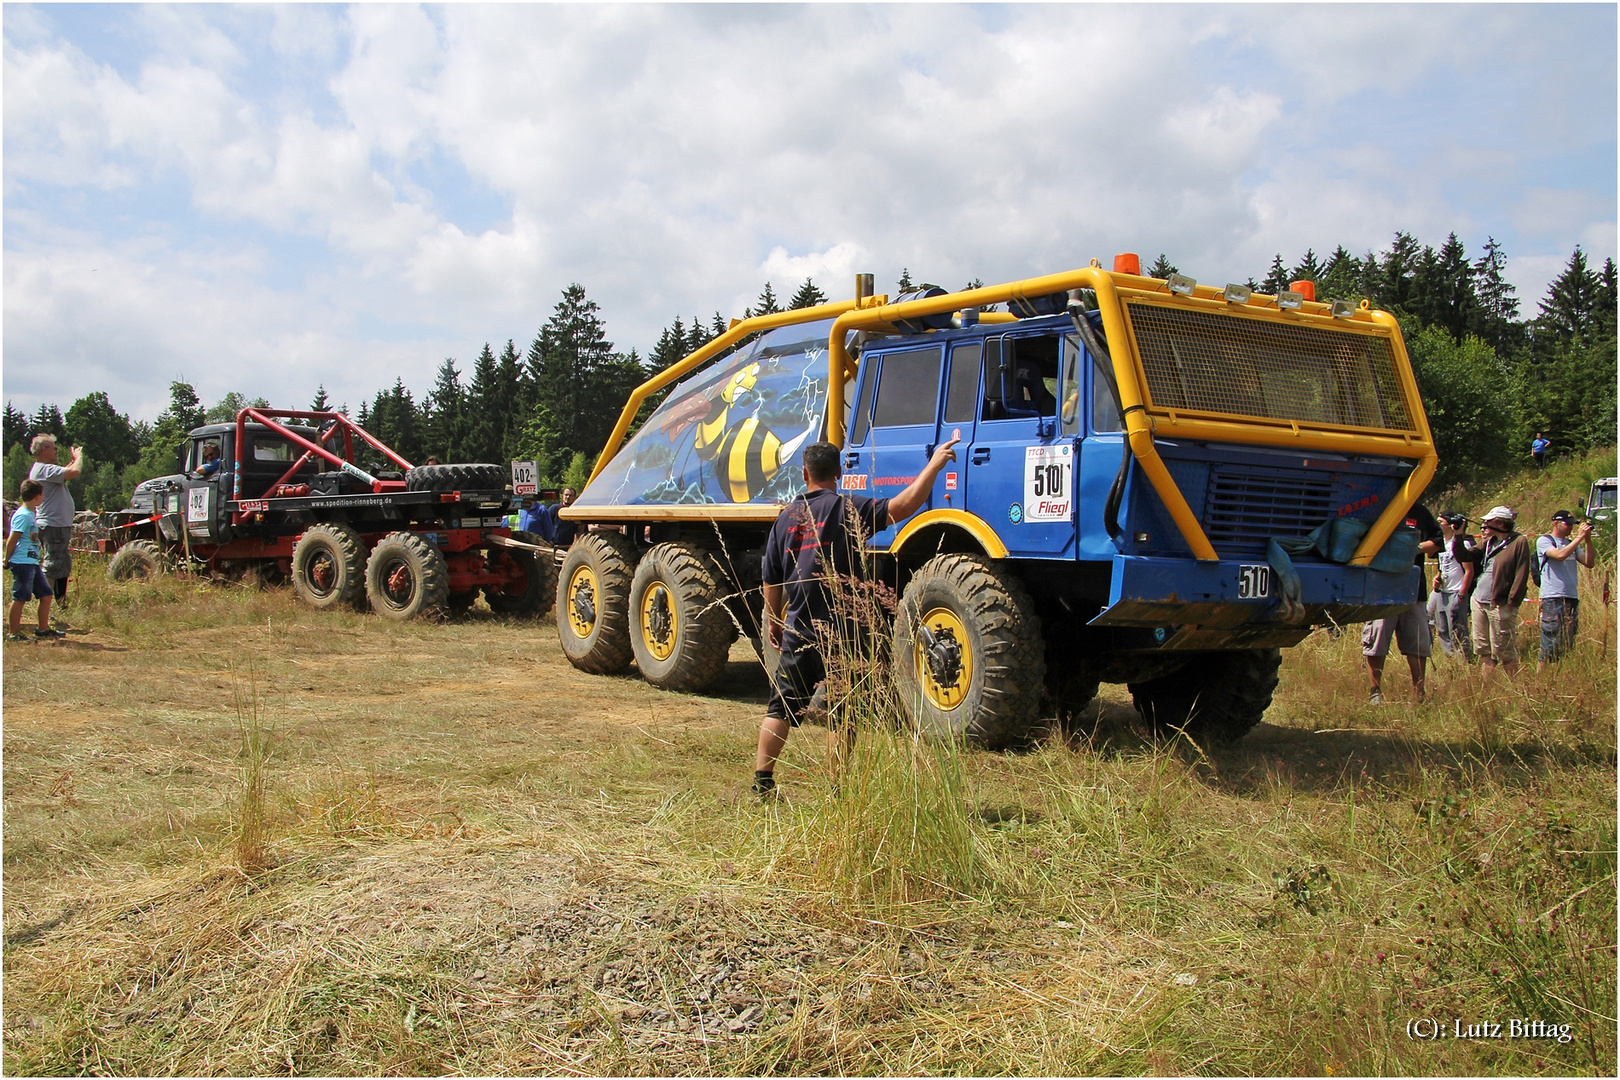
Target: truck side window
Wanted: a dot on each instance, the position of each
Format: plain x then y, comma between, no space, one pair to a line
962,389
1104,409
994,407
1069,411
908,389
863,407
1030,378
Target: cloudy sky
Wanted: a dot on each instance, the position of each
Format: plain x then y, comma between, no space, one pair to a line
262,199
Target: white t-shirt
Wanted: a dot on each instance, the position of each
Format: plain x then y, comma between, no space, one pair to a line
1451,569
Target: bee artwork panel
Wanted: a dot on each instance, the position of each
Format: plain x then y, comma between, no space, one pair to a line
734,432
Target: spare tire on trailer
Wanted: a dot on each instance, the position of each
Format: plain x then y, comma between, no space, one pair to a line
442,478
407,578
136,559
329,567
593,602
532,581
1217,696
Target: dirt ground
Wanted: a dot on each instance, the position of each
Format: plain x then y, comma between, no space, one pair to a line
483,861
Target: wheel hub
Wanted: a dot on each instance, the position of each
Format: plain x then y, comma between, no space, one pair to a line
399,583
658,621
582,602
944,658
323,573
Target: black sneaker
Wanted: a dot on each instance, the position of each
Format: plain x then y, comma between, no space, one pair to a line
48,633
764,788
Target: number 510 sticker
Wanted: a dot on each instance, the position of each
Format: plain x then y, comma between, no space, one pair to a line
1048,482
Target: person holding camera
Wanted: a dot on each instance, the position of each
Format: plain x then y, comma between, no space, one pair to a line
1561,553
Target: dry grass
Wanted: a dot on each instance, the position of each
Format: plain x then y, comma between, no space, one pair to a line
472,859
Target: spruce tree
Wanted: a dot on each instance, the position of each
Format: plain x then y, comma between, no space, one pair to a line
1162,268
1395,274
506,414
1308,269
48,421
580,383
1276,278
1569,313
904,285
766,304
320,402
807,296
484,432
16,430
445,410
1495,316
1339,280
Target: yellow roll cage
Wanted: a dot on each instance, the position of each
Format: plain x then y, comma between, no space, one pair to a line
1143,419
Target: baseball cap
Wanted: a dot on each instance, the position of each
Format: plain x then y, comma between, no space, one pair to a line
1500,513
1565,516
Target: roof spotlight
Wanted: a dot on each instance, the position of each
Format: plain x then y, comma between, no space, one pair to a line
1238,294
1344,309
1182,284
1290,301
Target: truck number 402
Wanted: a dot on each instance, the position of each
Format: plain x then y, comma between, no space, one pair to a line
1049,481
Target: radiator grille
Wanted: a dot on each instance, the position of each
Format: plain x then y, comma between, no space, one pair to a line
1245,507
1281,371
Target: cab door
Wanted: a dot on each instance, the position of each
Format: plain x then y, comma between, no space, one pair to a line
903,390
206,497
958,416
1020,473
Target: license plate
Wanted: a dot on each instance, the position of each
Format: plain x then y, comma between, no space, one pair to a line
1254,582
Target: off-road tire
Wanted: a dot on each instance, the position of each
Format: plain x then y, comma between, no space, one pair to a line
136,559
1218,697
407,578
677,608
593,602
539,587
998,689
442,478
339,548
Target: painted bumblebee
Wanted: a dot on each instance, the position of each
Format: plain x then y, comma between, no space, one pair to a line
745,454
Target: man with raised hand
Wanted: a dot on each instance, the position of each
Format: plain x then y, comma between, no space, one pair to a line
56,512
818,534
1562,553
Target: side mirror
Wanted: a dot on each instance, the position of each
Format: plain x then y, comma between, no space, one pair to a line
1581,503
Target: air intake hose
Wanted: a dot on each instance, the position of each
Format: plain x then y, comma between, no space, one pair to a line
1095,346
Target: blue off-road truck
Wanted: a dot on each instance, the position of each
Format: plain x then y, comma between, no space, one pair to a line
1159,483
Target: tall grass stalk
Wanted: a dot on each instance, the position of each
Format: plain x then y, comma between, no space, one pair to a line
258,740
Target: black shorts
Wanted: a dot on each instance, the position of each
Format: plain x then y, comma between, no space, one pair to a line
795,684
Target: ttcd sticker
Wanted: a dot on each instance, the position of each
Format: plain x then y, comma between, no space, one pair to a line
1048,482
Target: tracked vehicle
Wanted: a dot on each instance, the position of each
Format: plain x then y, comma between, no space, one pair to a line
1159,483
290,501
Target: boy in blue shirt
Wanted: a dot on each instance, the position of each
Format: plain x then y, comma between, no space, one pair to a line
22,559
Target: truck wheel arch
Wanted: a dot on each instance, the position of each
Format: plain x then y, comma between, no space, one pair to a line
935,532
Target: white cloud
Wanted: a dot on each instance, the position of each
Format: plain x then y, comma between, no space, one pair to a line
443,174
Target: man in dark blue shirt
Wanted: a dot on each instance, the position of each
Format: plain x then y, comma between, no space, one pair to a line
819,533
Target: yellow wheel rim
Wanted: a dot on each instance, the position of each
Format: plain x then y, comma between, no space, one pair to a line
584,602
658,621
947,672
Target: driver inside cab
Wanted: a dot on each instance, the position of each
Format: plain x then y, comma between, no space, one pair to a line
211,461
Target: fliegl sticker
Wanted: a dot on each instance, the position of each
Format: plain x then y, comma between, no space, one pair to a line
1048,482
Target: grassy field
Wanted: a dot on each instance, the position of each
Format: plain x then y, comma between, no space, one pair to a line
242,837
